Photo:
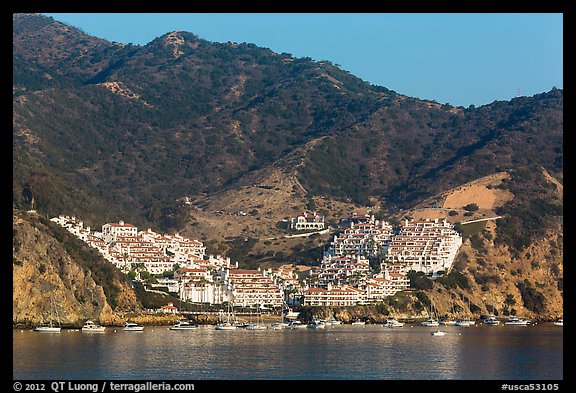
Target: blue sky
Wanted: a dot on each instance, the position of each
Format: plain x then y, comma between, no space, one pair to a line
460,59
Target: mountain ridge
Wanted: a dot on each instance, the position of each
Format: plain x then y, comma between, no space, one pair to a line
109,131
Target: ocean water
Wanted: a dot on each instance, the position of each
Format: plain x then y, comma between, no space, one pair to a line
342,352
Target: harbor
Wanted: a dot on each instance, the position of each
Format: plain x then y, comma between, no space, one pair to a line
342,351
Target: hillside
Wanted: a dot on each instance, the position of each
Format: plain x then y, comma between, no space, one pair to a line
50,263
225,141
141,127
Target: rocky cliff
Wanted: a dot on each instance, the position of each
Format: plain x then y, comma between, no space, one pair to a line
43,269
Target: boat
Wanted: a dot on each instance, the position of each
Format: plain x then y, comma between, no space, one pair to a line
464,323
132,327
230,322
430,322
296,325
334,322
447,322
183,325
516,321
225,326
259,324
255,326
358,323
559,322
393,323
278,326
50,327
438,333
492,321
91,327
317,325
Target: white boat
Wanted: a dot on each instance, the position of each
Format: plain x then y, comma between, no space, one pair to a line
430,322
447,322
559,322
132,327
183,325
358,323
225,326
465,323
50,327
492,321
47,329
317,325
438,333
259,324
296,325
516,321
255,326
91,327
393,323
334,322
278,326
230,323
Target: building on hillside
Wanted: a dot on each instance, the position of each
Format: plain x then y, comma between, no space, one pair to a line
428,246
348,269
334,296
169,308
365,238
111,230
249,287
308,222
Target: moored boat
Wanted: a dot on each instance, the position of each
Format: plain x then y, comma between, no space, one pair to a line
492,321
50,327
225,326
464,323
132,327
559,322
255,326
438,333
516,321
430,322
91,327
317,325
358,322
296,325
47,329
183,325
393,323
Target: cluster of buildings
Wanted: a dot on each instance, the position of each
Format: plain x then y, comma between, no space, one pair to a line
429,246
344,276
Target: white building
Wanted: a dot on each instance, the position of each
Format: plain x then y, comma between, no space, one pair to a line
364,238
308,222
334,296
425,245
112,230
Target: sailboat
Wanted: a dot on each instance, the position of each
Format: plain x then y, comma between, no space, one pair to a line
226,325
466,322
282,324
259,322
430,321
50,327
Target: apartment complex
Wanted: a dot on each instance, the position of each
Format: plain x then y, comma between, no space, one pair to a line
427,245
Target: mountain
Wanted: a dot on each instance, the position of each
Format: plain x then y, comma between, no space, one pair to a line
50,264
183,134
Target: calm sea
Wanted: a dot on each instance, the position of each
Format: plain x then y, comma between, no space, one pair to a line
370,352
